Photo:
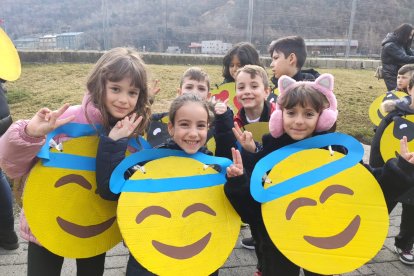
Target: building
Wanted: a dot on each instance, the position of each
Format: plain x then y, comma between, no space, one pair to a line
70,41
215,47
47,42
173,50
26,43
330,47
195,48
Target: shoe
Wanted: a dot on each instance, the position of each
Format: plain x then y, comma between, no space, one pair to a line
9,241
248,243
257,273
406,256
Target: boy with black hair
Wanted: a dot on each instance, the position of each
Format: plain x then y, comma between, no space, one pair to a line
288,57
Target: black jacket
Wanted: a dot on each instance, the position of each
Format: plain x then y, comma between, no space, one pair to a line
302,75
393,56
110,154
5,118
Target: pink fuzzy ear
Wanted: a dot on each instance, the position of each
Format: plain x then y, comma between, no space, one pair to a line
326,81
284,82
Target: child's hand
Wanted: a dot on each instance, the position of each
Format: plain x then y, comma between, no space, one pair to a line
219,106
405,152
125,127
154,89
45,120
235,169
245,138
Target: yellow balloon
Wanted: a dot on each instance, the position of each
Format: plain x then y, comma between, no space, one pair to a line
64,211
375,112
10,67
332,227
184,232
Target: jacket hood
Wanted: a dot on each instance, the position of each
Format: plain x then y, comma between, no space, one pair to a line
390,37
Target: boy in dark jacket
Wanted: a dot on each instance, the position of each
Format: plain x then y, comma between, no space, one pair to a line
397,109
288,57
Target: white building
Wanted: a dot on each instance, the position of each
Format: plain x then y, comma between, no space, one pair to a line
215,47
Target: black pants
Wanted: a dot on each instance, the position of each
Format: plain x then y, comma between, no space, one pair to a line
42,262
134,268
405,238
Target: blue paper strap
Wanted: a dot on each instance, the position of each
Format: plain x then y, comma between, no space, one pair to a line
70,161
119,184
355,154
72,130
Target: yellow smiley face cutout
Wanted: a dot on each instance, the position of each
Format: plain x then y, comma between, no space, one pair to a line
393,133
375,112
332,227
62,208
182,232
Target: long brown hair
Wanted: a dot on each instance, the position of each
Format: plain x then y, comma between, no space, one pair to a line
115,65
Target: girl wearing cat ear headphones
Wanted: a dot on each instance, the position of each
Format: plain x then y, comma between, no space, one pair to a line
304,109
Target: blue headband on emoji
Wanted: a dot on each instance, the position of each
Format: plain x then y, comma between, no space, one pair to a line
354,156
119,184
72,161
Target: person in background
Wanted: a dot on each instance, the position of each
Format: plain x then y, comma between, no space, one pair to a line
396,52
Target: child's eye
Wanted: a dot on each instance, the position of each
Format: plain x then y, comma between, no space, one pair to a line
133,93
290,112
201,126
114,89
310,114
201,88
183,124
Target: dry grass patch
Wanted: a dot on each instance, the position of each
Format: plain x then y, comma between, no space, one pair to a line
52,85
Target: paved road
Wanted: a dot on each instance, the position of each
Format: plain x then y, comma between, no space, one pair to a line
241,261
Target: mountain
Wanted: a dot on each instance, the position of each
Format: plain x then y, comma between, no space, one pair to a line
161,23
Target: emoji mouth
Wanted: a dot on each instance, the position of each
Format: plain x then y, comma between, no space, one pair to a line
84,231
182,252
339,240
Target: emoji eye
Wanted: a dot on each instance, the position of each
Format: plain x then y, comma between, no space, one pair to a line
296,204
334,189
198,207
403,126
152,210
73,178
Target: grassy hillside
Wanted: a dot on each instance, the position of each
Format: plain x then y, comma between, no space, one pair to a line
54,84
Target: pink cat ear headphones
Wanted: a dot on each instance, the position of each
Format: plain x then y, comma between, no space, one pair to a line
323,84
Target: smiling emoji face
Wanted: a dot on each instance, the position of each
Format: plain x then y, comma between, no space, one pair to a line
375,112
332,227
393,133
64,211
178,232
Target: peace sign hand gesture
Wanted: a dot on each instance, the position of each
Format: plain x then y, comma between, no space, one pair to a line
405,152
235,169
45,120
125,127
245,138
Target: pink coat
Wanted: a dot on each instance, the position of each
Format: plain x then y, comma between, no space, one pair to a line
18,150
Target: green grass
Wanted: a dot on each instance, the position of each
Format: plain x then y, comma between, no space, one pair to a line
51,85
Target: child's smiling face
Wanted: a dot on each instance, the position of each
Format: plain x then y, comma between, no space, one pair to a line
190,127
300,122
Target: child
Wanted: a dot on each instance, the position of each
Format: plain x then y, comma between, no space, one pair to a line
189,119
252,90
239,55
298,116
403,77
116,88
399,108
288,57
195,80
